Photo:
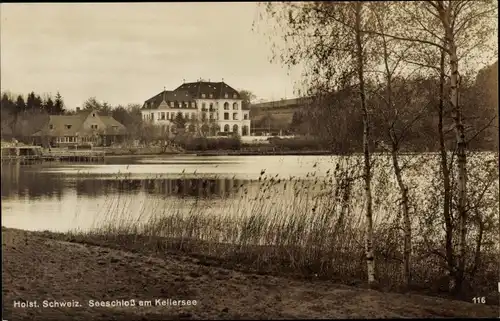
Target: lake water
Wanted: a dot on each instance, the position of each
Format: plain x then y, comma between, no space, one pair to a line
64,196
67,196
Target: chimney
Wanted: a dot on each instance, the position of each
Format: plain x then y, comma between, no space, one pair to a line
77,109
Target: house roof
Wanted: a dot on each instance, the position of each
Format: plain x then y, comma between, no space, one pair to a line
188,92
61,123
112,125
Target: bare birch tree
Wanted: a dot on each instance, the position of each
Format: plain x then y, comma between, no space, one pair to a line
466,26
391,56
327,38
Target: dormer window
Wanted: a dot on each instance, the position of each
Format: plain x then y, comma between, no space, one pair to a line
226,95
211,96
93,114
203,95
235,96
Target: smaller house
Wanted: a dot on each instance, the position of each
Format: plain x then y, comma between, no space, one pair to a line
85,127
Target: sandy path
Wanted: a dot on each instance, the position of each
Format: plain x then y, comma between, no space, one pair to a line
37,269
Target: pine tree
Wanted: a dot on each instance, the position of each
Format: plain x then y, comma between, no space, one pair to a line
38,103
49,106
20,104
179,121
30,101
7,104
58,105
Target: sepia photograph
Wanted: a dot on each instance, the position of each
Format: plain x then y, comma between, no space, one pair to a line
250,160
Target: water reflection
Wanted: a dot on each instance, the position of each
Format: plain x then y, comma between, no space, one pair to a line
64,196
32,184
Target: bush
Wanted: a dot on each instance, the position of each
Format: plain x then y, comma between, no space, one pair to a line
203,143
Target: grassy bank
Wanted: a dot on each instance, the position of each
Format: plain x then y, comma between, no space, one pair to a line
40,267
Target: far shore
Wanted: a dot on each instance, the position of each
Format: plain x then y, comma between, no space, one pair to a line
43,268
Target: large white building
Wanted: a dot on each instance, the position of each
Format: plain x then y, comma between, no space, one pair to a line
210,108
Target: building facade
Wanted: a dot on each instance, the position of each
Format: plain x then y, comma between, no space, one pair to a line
276,117
85,127
207,108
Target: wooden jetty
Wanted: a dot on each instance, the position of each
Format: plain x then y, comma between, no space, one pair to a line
37,153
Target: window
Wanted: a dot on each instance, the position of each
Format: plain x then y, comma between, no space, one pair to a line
235,95
211,116
226,128
235,128
152,116
226,116
245,116
203,106
226,95
204,116
162,115
203,95
235,116
211,106
226,106
211,96
235,106
193,104
93,114
51,126
68,126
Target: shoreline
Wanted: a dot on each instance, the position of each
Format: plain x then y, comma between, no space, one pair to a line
74,267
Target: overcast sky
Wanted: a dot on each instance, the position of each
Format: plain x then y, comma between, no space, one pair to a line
127,52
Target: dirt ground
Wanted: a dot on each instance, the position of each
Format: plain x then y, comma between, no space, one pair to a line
35,268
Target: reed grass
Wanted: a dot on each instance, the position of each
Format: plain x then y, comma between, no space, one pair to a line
309,228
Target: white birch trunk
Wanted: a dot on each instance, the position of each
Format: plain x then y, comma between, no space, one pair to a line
370,258
445,14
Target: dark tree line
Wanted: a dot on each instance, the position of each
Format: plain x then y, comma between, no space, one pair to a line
32,102
22,116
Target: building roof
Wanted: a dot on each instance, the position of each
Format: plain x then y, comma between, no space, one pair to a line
218,90
188,92
173,98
